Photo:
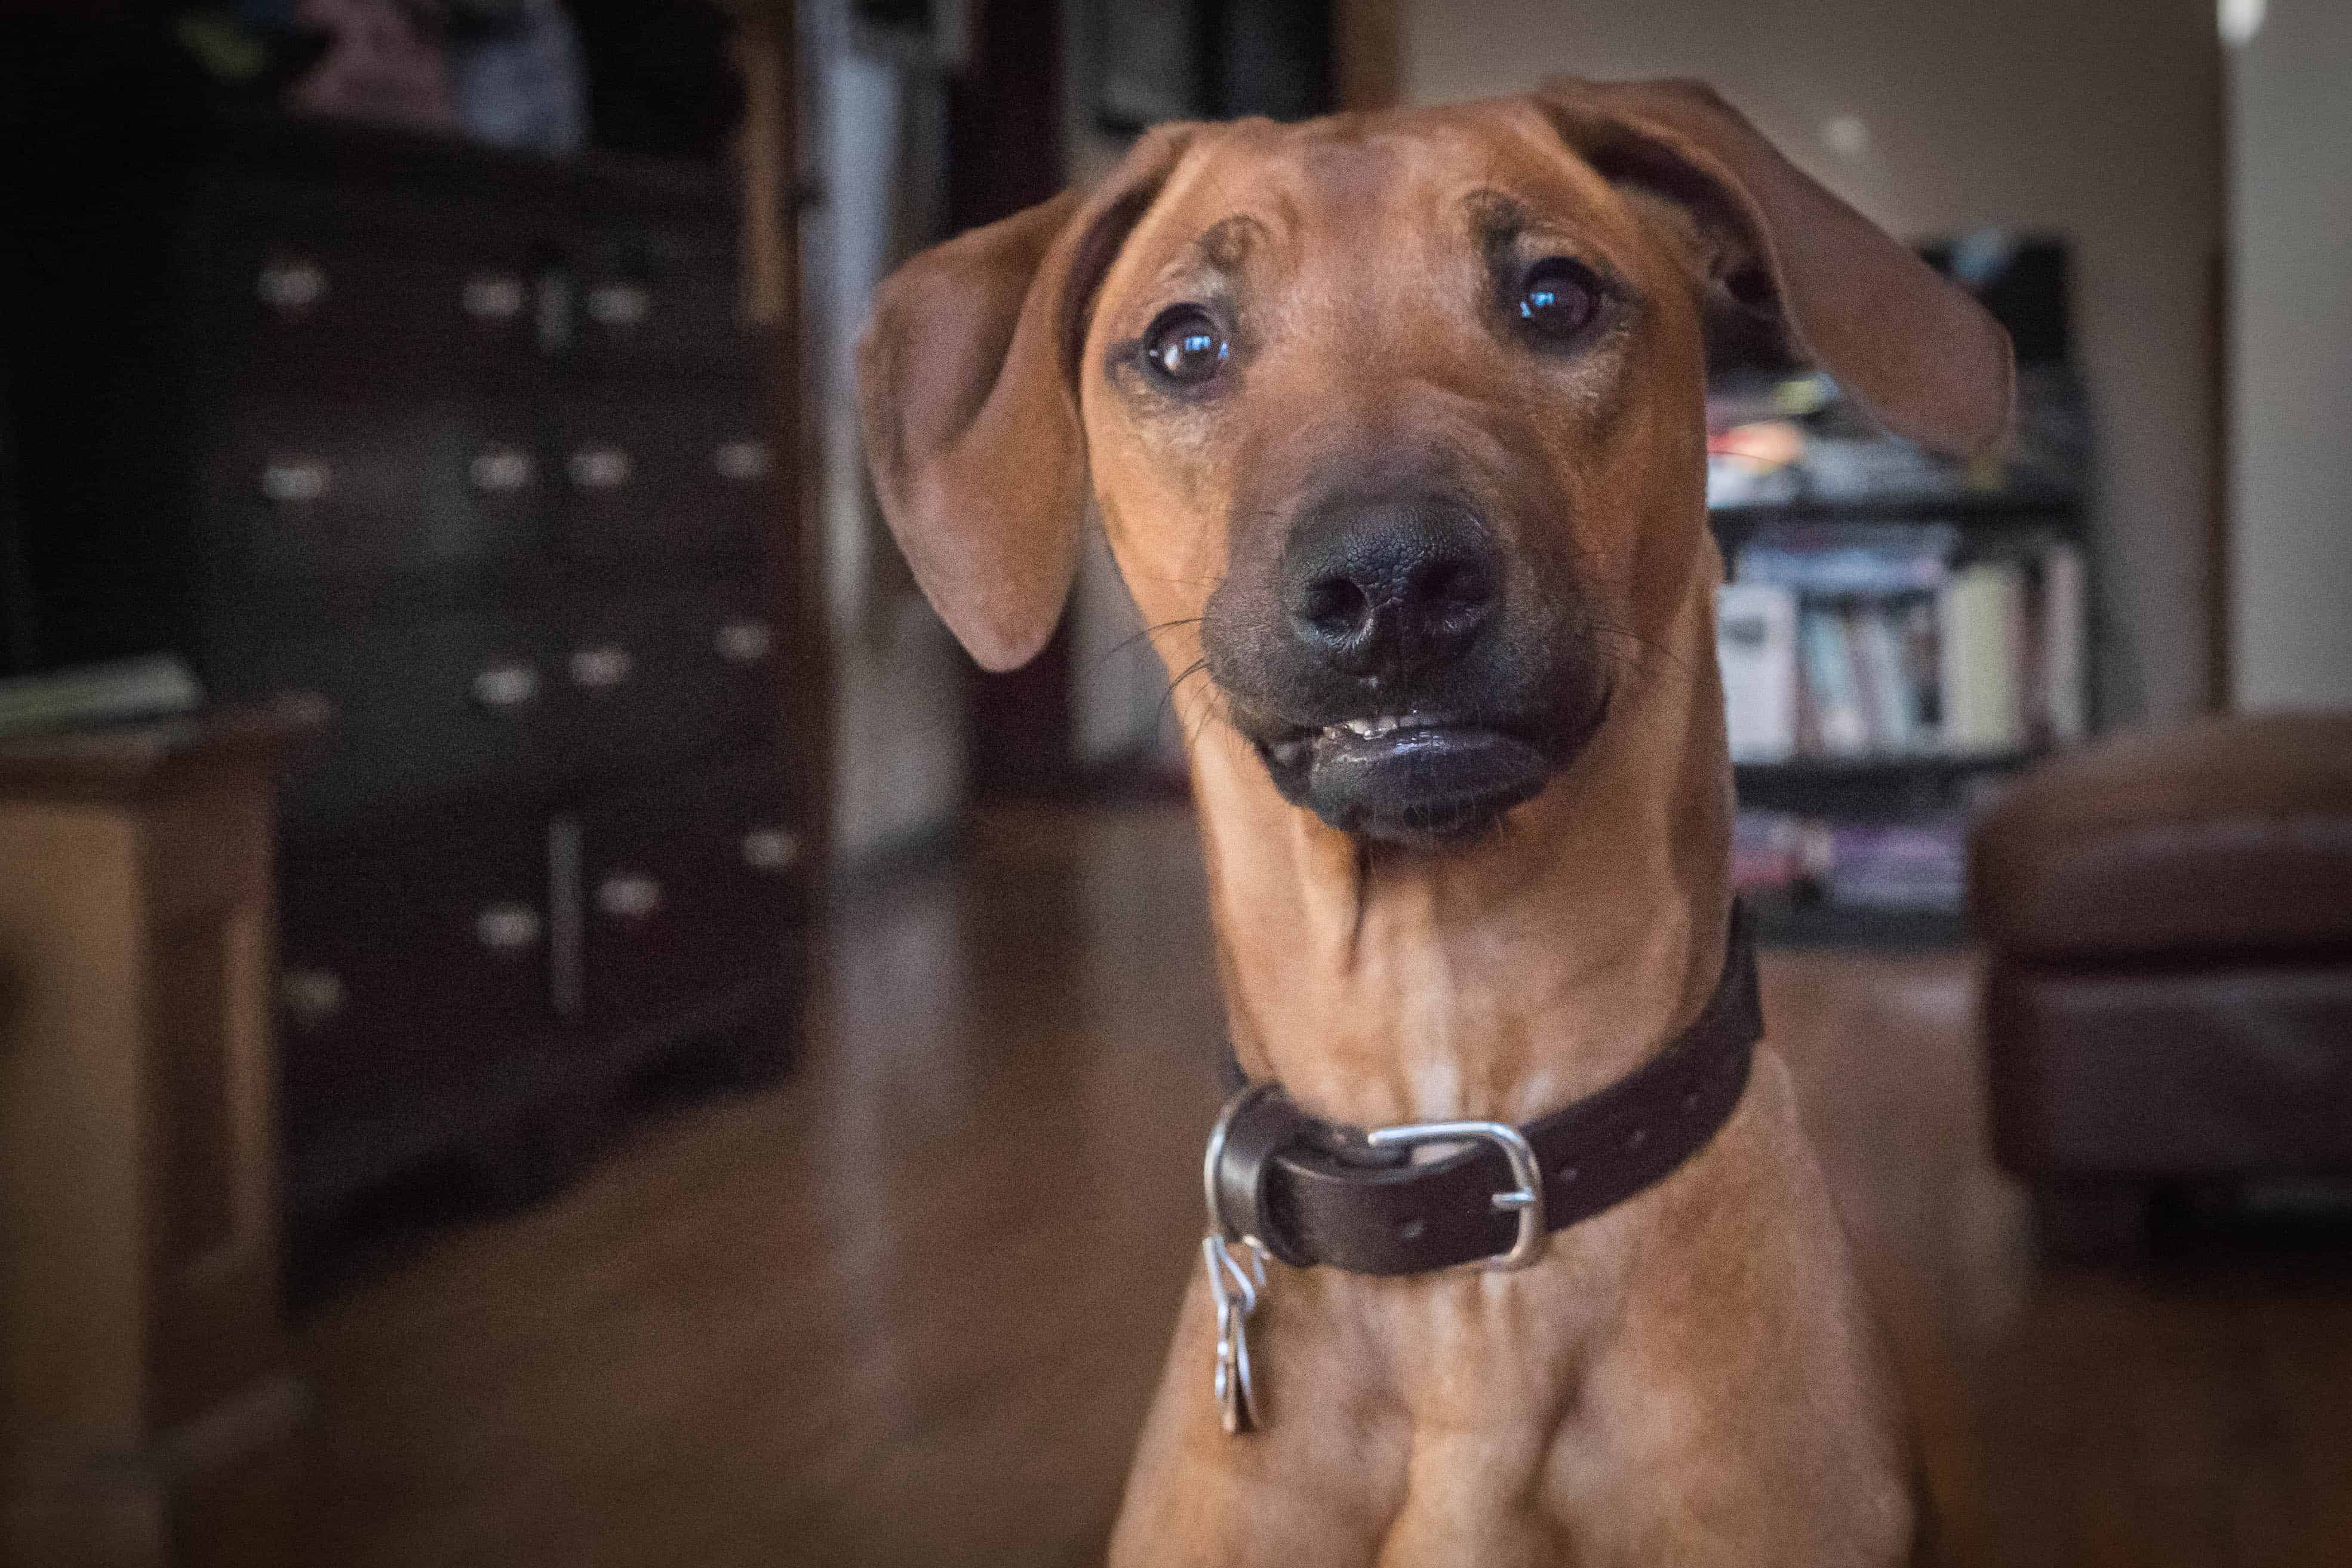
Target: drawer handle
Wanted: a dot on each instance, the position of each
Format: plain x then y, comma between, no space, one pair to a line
502,468
599,467
289,480
493,297
508,928
741,461
506,685
598,668
619,304
744,641
628,896
770,849
310,996
312,708
291,284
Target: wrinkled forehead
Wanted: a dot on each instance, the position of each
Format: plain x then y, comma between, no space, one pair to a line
1254,198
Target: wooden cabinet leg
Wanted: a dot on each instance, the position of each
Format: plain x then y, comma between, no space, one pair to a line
148,1417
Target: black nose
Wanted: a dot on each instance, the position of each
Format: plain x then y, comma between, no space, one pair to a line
1388,586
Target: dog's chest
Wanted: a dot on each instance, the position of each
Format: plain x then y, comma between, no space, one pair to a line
1524,1455
1611,1406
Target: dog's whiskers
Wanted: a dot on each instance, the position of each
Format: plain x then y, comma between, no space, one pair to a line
1125,643
1168,699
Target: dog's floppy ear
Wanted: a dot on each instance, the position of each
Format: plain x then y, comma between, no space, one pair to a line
968,395
1917,353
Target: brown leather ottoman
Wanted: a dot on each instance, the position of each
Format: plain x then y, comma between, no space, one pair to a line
2168,996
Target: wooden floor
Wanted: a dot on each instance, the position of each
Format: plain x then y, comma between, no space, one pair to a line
906,1308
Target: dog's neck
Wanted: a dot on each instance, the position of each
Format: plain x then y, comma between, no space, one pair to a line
1500,978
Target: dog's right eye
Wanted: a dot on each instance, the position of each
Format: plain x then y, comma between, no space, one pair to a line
1558,299
1184,346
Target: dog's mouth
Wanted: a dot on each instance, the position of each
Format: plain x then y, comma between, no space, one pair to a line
1408,777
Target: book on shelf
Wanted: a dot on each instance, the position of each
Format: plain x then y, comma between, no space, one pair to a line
1983,659
1916,865
1849,558
1755,645
1838,723
2064,672
1890,701
1855,642
1779,854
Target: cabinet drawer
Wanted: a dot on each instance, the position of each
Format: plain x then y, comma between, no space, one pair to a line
424,711
655,479
658,680
686,891
410,967
310,488
302,283
654,292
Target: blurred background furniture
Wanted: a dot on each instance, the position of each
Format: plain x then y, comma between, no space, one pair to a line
485,449
147,1415
2168,992
1898,633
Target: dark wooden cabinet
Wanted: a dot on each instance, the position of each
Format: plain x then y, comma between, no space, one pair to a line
651,476
337,484
471,912
683,888
477,449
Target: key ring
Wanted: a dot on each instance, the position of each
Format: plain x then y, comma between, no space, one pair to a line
1236,1296
1234,1286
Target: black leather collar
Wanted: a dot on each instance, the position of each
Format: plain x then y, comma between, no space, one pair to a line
1313,1192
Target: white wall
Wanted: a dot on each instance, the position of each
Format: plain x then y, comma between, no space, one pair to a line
2291,358
2098,119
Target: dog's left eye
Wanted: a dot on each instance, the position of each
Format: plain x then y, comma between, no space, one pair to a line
1558,299
1184,345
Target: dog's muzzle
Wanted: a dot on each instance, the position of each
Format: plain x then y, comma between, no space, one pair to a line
1386,677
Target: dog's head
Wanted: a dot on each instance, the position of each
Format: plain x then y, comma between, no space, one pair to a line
1397,420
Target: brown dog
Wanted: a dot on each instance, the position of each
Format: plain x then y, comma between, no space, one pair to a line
1395,426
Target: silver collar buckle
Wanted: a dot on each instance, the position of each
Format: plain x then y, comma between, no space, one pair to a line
1236,1287
1526,1198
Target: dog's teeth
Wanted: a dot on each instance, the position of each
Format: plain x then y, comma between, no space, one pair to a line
1288,751
1372,729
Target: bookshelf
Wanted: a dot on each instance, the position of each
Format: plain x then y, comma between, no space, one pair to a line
2020,513
1898,634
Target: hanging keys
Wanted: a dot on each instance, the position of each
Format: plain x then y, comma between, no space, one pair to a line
1236,1289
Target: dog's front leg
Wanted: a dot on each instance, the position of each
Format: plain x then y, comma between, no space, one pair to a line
1305,1491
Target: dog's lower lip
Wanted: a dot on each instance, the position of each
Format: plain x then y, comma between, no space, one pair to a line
1338,748
1408,777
